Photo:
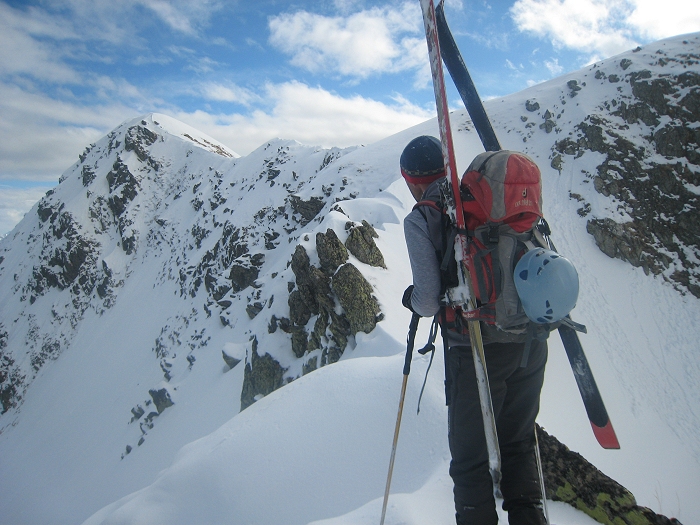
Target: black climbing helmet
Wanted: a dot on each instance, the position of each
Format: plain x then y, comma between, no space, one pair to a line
421,161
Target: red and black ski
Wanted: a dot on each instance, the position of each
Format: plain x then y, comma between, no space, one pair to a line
592,400
462,295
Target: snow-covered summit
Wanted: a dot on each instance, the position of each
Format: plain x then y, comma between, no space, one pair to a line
177,128
166,283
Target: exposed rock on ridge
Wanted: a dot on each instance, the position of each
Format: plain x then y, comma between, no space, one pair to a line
650,140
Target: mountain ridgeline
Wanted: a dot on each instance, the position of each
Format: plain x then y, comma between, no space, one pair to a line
143,195
179,249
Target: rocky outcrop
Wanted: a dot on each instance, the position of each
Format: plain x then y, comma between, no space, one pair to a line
137,139
231,361
262,375
653,177
570,478
360,243
12,381
123,188
307,210
313,296
355,296
161,399
327,306
331,252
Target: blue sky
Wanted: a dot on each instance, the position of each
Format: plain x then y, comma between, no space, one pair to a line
327,72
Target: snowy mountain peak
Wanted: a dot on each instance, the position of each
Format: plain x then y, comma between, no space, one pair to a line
167,283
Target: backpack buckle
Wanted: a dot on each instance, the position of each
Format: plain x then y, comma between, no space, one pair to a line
493,234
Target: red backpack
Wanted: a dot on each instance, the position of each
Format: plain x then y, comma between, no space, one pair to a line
502,205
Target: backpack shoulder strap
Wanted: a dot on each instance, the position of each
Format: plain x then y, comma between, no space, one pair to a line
430,204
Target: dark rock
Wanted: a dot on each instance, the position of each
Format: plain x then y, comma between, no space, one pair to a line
556,162
548,125
331,252
574,88
299,312
360,243
254,309
299,341
263,374
88,175
137,412
355,296
242,276
307,209
161,399
331,355
284,324
319,332
628,242
123,187
309,366
653,92
136,139
12,380
230,361
216,289
656,196
531,105
570,478
675,141
313,286
270,237
340,329
637,111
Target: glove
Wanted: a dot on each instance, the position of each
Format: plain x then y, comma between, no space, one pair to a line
406,299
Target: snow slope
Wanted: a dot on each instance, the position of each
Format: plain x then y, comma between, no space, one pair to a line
316,450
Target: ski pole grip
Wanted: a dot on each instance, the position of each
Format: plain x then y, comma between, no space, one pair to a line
412,328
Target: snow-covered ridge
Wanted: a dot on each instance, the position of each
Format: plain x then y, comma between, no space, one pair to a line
174,127
626,130
132,288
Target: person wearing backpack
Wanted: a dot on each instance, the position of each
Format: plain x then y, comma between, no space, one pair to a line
515,376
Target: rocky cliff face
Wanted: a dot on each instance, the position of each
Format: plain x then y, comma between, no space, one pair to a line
637,116
152,194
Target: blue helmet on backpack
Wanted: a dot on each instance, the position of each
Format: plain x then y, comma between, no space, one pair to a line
547,285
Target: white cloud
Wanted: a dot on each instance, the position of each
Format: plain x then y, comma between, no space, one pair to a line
173,17
605,27
25,50
585,25
311,115
365,43
15,202
554,67
654,19
512,66
40,137
229,93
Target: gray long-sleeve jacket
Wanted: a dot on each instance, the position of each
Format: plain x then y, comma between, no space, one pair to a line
424,243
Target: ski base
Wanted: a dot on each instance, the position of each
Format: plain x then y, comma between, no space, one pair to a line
606,436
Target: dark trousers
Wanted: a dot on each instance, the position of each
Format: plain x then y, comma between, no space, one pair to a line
515,393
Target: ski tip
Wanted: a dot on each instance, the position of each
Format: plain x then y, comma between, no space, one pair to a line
606,436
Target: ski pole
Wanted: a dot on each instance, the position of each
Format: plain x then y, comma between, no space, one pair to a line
412,328
541,474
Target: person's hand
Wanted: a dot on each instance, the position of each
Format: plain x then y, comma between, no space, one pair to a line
406,299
